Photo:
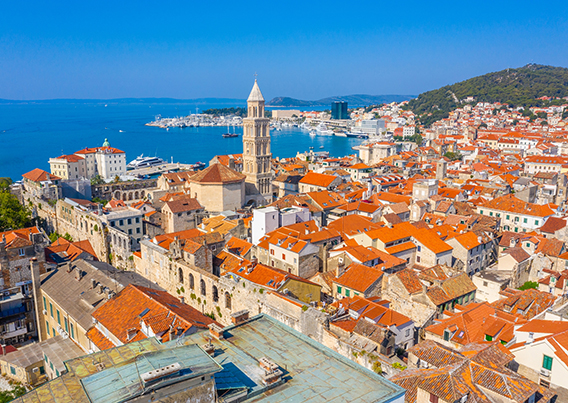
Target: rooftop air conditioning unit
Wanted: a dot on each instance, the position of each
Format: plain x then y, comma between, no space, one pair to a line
45,312
544,372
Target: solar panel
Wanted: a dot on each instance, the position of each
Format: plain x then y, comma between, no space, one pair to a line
144,312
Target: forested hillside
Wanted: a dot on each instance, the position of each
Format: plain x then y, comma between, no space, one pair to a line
517,87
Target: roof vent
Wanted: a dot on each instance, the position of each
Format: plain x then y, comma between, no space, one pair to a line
156,374
272,373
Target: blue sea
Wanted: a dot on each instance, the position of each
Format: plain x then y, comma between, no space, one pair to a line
32,133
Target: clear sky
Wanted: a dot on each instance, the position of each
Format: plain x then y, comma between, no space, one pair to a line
302,49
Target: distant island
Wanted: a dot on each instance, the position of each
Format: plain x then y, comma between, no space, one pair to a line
353,100
528,86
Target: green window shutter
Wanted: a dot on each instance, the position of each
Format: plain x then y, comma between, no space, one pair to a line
72,332
12,370
53,331
66,328
480,211
491,213
47,327
547,362
51,309
347,292
58,318
528,245
536,222
488,338
42,370
44,304
507,216
525,220
338,289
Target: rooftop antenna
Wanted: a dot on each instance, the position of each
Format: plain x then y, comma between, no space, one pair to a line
255,76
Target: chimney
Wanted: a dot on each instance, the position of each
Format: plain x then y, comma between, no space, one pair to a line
78,274
216,331
172,333
182,299
31,236
239,317
340,267
272,373
130,333
36,283
101,288
93,283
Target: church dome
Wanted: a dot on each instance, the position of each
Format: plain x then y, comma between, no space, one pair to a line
106,143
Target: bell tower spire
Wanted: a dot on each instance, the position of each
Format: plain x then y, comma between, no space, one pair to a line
257,158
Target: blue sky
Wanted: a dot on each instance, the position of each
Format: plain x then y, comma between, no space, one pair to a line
306,50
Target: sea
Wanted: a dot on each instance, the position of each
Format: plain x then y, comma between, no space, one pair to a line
31,133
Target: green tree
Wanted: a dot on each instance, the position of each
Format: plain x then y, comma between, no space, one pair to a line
13,215
97,180
54,236
453,156
100,201
9,395
528,285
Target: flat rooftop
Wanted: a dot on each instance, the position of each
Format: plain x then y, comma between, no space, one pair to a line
313,373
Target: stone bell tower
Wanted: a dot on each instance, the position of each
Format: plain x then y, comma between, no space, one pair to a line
257,158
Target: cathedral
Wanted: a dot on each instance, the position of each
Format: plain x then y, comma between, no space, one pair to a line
257,158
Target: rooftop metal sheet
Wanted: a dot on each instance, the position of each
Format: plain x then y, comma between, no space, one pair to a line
121,382
313,372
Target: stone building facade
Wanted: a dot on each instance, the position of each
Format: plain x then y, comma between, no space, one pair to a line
126,191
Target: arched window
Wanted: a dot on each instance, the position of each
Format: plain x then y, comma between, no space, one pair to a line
136,195
203,289
191,281
142,194
215,294
117,195
124,196
130,196
227,300
180,275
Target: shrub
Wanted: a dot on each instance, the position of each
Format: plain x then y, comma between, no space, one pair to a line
528,285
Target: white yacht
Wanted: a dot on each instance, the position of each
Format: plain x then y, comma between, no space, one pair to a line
322,130
145,162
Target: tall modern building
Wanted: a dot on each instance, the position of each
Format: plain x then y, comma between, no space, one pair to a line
339,110
257,158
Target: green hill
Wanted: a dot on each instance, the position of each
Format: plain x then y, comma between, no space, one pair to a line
517,87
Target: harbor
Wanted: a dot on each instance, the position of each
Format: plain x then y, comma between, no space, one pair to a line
153,171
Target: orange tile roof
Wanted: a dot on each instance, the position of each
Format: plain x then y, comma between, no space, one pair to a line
321,180
358,277
514,205
99,339
39,175
158,309
217,174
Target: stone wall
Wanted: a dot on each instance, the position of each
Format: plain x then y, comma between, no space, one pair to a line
127,191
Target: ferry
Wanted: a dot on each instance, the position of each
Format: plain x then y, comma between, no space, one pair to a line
145,162
322,130
229,135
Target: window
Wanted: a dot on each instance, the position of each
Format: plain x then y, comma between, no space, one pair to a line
407,333
137,220
446,335
418,259
525,220
547,362
488,338
72,331
433,398
480,211
66,328
58,317
130,231
485,283
12,370
138,230
51,309
121,222
283,256
45,305
528,245
339,289
418,248
507,216
129,221
491,213
21,252
47,327
272,251
347,292
536,222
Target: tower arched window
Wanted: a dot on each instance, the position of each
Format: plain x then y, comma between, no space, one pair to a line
227,300
215,294
180,275
203,288
191,281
